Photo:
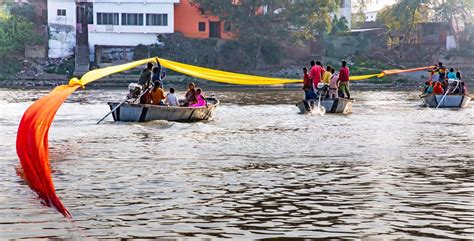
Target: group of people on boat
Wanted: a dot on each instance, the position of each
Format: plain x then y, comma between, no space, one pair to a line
326,82
152,92
444,81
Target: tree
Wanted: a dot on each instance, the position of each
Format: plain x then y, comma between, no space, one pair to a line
260,23
339,25
311,19
358,18
15,32
451,11
402,18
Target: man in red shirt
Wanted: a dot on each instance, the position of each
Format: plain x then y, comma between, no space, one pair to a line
343,81
315,74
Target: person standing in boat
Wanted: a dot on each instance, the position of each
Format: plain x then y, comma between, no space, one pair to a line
315,75
191,95
442,72
308,90
158,74
333,84
343,81
145,81
145,77
327,75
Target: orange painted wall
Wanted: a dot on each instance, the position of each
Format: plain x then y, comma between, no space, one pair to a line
186,21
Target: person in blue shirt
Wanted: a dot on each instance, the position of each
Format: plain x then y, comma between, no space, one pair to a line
451,74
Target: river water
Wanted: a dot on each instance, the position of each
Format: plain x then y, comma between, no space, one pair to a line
392,169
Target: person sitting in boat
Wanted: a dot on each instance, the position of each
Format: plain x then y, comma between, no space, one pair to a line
458,74
438,89
430,88
333,84
171,99
201,101
157,95
451,74
190,95
426,88
463,88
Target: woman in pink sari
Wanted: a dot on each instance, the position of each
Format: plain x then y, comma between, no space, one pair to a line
201,101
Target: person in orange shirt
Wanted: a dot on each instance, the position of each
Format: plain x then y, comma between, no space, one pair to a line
438,89
157,95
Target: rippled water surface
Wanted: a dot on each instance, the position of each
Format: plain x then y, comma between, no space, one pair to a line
392,169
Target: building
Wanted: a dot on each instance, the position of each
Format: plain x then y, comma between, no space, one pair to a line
108,27
193,23
345,10
372,7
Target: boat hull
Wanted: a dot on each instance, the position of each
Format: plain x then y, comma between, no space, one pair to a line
336,106
129,112
450,101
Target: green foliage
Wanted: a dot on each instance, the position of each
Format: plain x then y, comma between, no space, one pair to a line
260,21
15,32
339,25
401,18
24,10
358,18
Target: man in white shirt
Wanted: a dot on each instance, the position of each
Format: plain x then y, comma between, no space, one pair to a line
171,98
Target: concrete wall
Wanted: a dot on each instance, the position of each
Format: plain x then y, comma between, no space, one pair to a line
187,18
62,29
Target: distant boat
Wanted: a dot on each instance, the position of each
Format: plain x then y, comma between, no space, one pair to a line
339,106
448,101
130,112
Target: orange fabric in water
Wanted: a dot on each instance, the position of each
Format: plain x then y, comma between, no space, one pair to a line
32,144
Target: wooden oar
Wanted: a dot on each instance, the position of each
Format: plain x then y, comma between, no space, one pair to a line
121,103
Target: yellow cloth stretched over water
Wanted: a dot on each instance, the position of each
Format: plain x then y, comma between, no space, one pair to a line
212,74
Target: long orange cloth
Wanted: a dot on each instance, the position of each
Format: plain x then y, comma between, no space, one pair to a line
32,144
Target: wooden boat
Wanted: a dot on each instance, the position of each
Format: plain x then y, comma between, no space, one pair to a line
130,112
340,105
449,101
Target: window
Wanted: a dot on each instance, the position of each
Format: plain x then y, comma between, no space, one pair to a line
227,26
134,19
107,18
202,26
61,12
157,19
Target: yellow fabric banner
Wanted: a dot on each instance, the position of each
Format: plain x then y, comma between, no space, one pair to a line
214,75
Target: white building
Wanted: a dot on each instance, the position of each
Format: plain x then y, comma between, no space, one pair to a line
345,10
372,7
110,23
